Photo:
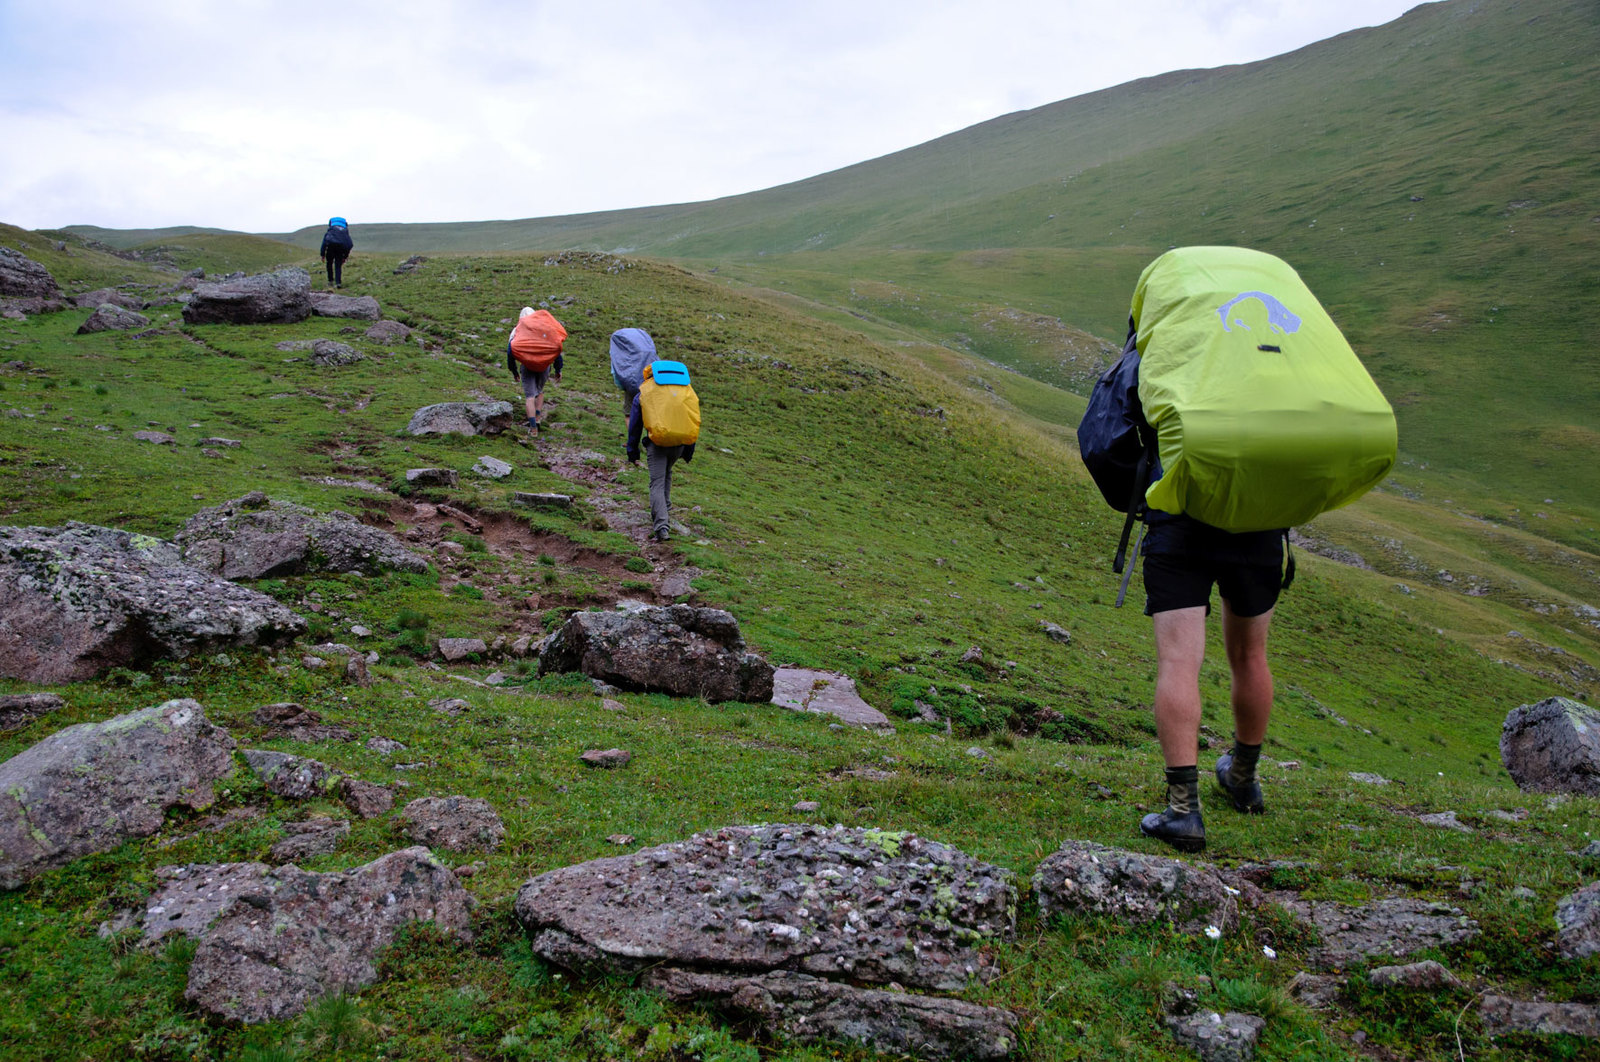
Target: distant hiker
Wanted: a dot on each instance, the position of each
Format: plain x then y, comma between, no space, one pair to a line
336,247
533,354
1236,411
666,412
631,350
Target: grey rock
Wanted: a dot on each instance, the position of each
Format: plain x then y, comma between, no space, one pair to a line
355,671
1317,991
411,265
492,467
1390,928
289,720
283,297
290,937
217,441
680,583
20,709
102,296
388,332
384,746
680,650
859,905
314,837
1368,778
827,692
1417,976
252,537
1503,1015
189,898
542,500
462,418
1218,1037
1087,878
109,317
22,277
330,353
366,799
458,649
807,1009
432,477
808,807
450,705
1055,632
606,758
1578,922
458,823
1553,747
80,600
89,787
292,777
1445,820
355,307
159,438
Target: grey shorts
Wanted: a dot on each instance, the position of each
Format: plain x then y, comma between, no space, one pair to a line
532,380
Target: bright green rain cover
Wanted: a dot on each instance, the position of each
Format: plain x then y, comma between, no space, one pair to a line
1264,415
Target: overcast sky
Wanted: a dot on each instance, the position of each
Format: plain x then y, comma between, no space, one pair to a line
269,115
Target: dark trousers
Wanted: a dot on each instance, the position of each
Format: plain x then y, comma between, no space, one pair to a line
335,269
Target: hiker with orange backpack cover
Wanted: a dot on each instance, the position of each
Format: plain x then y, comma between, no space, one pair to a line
533,354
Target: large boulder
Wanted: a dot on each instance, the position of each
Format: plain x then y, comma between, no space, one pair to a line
23,278
109,317
283,297
462,418
252,536
288,937
354,307
90,787
1084,878
1553,747
80,600
680,650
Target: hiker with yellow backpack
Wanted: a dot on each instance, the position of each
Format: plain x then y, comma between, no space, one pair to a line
1236,412
533,354
665,415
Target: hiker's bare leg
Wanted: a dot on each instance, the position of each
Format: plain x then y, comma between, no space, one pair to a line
1246,642
1180,648
531,404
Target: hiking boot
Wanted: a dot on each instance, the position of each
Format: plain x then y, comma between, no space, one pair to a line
661,536
1186,832
1247,796
533,425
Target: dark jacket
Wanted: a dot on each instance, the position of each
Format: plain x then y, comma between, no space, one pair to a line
636,430
517,368
336,242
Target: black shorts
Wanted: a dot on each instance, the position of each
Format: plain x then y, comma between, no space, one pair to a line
1184,558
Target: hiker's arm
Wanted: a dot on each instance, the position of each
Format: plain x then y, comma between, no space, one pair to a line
511,363
635,429
555,369
688,453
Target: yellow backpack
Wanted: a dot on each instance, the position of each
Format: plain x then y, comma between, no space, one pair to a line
668,404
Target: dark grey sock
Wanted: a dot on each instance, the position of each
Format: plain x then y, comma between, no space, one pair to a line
1183,789
1242,771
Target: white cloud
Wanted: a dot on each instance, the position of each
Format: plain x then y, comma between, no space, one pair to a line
267,116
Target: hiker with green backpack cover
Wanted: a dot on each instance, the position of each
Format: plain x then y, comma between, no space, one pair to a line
1236,411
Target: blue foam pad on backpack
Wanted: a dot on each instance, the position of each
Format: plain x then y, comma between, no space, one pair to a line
669,373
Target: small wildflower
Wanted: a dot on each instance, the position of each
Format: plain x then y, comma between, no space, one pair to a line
1213,932
1268,952
1231,890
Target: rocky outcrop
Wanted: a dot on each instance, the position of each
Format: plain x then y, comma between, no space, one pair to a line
1218,1037
251,537
1578,923
91,299
1502,1015
23,278
81,599
354,307
1082,877
830,693
456,823
1553,747
90,787
111,318
462,418
1388,928
283,297
680,650
289,937
292,777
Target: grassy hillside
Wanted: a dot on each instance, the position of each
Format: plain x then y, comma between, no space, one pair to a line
855,510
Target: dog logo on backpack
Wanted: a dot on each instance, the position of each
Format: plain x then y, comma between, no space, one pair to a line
1279,319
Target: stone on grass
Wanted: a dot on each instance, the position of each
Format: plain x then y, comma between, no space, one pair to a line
367,799
450,705
1368,778
1502,1015
291,937
90,300
1388,928
542,500
355,671
108,317
457,823
1417,976
492,467
1082,877
805,690
1445,820
20,709
1218,1037
189,898
314,837
462,418
253,537
1553,747
606,758
88,788
156,438
330,353
455,650
432,477
291,777
1578,922
286,719
354,307
1055,632
283,297
388,332
679,650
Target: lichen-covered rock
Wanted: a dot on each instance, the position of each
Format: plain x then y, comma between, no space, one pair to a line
252,536
1553,747
1218,1037
844,903
80,600
1388,928
462,418
808,1009
680,650
291,777
1082,877
109,317
290,937
1416,976
283,297
354,307
1502,1015
456,823
90,787
1578,922
330,353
